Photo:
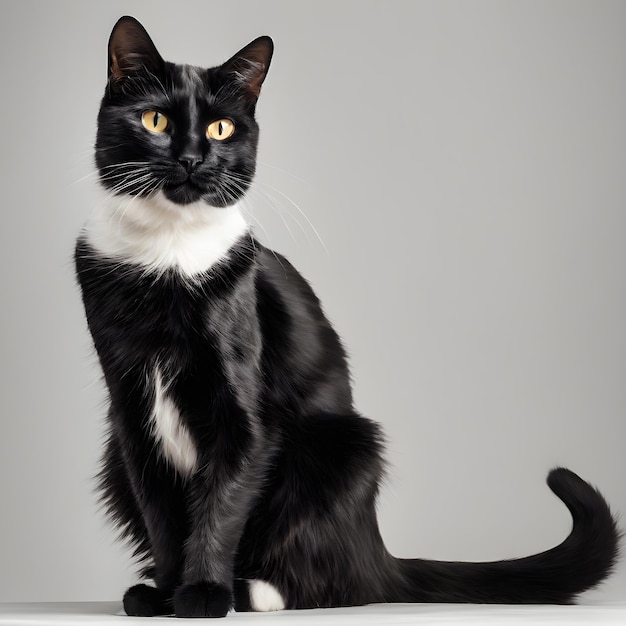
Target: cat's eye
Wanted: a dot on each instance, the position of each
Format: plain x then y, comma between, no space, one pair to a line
154,121
220,130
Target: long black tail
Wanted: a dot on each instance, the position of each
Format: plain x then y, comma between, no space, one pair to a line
556,576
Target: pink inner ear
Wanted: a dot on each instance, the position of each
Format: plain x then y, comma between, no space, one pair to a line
251,63
255,77
114,64
115,67
130,48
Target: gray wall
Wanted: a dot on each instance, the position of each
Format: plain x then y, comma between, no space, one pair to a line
463,164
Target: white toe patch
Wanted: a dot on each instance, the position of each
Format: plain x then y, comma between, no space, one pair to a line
265,597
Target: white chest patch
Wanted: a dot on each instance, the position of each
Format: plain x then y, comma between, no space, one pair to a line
158,234
176,443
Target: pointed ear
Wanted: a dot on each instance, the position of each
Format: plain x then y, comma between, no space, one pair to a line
131,50
251,63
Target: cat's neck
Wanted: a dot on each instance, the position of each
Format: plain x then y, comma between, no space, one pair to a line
160,235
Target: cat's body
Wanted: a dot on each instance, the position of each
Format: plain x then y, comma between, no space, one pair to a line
236,461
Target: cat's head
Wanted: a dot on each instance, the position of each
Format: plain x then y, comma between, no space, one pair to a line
183,131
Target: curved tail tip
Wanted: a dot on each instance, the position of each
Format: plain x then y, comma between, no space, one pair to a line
578,495
560,478
590,511
582,499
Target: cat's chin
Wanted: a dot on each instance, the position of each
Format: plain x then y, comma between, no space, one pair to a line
188,193
183,194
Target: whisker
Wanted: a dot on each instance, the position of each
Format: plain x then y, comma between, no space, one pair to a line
282,171
272,204
300,211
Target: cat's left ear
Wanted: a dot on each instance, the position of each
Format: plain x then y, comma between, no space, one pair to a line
250,65
131,51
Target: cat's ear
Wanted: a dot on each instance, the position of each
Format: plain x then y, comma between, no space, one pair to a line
250,65
131,51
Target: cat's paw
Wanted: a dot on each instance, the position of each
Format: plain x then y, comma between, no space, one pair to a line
145,601
257,595
202,600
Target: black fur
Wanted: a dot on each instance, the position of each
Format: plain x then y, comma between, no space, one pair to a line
288,472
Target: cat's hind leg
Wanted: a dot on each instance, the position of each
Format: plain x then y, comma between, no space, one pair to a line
314,535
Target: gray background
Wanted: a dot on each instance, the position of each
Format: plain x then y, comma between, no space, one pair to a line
463,164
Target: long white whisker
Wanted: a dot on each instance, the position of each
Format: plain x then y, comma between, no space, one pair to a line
282,171
276,207
304,215
82,178
270,202
243,204
97,172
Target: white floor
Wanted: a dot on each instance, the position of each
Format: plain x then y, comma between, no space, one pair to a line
109,613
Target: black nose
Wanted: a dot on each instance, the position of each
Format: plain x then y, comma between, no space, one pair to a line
190,161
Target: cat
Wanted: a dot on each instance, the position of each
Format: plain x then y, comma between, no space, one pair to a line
235,462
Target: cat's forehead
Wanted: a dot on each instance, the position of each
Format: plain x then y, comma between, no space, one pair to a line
190,78
190,82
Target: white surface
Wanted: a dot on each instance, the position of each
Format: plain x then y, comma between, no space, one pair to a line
110,613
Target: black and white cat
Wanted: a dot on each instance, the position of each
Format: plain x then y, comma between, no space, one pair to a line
236,462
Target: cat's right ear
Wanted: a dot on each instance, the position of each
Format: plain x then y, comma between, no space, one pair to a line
131,51
250,65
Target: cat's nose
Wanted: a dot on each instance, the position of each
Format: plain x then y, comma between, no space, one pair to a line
190,161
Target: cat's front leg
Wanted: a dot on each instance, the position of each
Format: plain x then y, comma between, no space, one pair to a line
146,601
142,494
219,504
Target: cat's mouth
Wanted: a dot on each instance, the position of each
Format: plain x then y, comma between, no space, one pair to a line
215,189
190,191
185,192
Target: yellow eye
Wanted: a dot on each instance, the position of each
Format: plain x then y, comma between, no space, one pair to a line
220,130
154,121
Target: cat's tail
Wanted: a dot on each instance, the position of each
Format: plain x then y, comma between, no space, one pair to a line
556,576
